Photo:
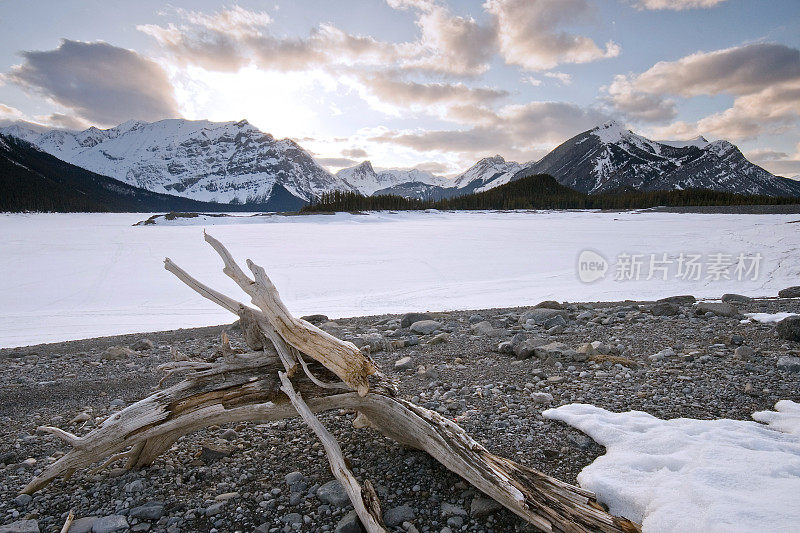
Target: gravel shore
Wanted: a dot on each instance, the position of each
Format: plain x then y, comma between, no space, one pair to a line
492,370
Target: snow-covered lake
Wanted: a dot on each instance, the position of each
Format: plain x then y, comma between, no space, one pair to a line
72,276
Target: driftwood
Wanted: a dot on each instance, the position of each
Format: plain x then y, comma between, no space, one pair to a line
274,381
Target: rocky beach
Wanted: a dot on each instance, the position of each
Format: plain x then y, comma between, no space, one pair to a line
493,371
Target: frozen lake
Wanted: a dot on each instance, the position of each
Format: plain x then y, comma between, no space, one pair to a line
72,276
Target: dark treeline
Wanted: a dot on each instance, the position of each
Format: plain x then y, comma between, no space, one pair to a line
541,191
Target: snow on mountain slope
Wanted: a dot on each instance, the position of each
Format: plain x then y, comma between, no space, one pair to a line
697,142
366,180
611,157
486,174
229,162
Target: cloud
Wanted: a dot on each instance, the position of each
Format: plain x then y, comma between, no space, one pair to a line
524,32
676,5
9,114
437,168
516,131
529,34
638,105
779,163
60,120
739,70
763,78
99,82
447,43
355,152
388,88
336,162
562,77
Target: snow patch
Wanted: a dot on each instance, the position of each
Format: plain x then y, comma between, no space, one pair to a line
694,475
768,318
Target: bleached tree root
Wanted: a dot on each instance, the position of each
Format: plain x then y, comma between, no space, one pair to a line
273,381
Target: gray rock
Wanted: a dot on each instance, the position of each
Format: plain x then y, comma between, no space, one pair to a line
555,321
110,524
215,508
448,509
540,316
349,524
292,518
745,353
212,455
718,308
548,304
376,341
293,478
481,507
315,319
137,485
789,363
23,499
685,299
333,493
143,344
527,349
440,338
482,328
664,309
556,350
789,328
397,515
82,525
544,398
486,329
148,511
410,318
115,353
21,526
736,298
506,347
474,319
229,434
790,292
404,363
425,327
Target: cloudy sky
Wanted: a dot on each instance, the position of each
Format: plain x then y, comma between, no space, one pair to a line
426,83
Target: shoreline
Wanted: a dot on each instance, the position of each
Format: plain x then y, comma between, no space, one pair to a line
180,334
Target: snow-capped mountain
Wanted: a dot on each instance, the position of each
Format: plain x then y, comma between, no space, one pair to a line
228,162
486,174
367,181
610,157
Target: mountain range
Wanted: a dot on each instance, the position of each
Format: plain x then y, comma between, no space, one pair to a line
32,180
235,163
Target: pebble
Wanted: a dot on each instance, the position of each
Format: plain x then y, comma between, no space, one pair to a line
397,515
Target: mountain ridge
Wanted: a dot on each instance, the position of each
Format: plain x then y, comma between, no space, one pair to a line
235,163
33,180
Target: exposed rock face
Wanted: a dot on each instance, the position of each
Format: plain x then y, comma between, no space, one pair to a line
610,157
227,162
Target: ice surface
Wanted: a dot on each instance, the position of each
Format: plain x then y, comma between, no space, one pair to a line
768,318
694,475
72,276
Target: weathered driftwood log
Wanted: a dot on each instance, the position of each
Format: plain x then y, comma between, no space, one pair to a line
274,381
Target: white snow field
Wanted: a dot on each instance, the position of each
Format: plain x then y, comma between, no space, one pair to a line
682,475
72,276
